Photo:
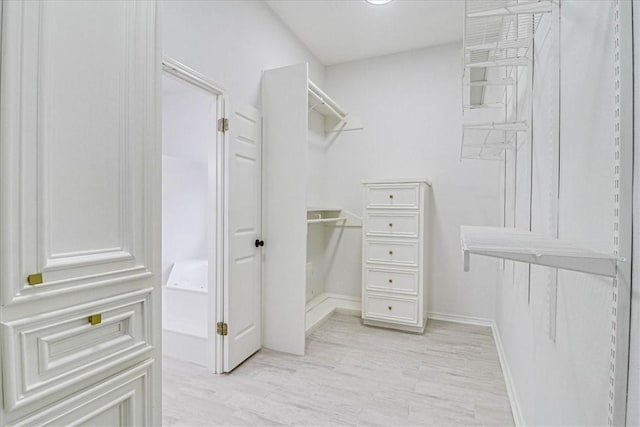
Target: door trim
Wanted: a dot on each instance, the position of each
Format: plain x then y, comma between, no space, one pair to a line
216,233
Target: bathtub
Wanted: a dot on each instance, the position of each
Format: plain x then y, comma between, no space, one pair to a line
185,312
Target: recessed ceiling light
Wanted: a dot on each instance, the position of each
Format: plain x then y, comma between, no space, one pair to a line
378,2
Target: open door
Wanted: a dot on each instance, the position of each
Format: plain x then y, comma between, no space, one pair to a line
242,325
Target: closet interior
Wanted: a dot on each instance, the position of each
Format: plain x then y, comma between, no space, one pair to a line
458,177
301,120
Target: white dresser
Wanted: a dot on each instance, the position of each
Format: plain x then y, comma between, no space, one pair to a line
394,246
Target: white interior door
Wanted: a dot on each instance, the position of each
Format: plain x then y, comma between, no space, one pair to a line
242,284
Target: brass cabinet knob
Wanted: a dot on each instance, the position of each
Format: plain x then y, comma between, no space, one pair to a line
34,279
95,319
390,308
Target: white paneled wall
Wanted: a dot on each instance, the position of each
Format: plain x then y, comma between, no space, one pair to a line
409,105
565,381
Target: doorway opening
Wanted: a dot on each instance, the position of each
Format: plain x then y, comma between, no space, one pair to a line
191,217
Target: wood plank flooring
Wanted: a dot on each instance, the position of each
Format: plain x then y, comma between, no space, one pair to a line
351,375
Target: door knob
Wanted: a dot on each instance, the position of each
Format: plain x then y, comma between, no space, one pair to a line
259,243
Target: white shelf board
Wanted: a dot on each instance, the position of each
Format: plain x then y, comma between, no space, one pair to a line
525,246
396,181
497,36
493,82
515,8
325,220
499,45
493,106
521,126
516,61
490,140
338,217
335,117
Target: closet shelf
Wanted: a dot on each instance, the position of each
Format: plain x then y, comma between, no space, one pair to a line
516,61
532,248
485,106
494,82
497,38
488,141
333,216
325,220
500,45
515,8
336,118
521,126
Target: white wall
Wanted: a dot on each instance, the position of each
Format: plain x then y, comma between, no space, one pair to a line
188,128
316,171
232,42
410,106
566,381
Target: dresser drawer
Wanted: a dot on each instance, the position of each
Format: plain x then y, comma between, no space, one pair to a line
388,280
393,224
392,252
53,351
390,308
398,196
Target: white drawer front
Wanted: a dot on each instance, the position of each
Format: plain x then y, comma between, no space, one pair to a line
55,350
389,308
392,252
123,401
399,196
392,280
397,225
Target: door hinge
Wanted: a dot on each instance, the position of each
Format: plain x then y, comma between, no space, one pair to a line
222,328
223,125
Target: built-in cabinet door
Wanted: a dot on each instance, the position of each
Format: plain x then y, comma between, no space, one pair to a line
242,285
79,199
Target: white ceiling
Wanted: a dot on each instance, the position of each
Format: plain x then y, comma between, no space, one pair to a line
346,30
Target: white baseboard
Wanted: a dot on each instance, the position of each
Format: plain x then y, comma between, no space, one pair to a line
469,320
508,378
320,308
504,364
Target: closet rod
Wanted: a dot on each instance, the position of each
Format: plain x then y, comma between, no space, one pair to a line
330,103
324,220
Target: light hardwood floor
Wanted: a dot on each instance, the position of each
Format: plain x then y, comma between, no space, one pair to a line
351,375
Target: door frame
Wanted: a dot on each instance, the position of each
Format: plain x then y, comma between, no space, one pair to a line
216,206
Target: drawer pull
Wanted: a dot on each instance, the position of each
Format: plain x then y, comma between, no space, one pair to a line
391,196
390,252
390,224
34,279
95,319
390,280
390,308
